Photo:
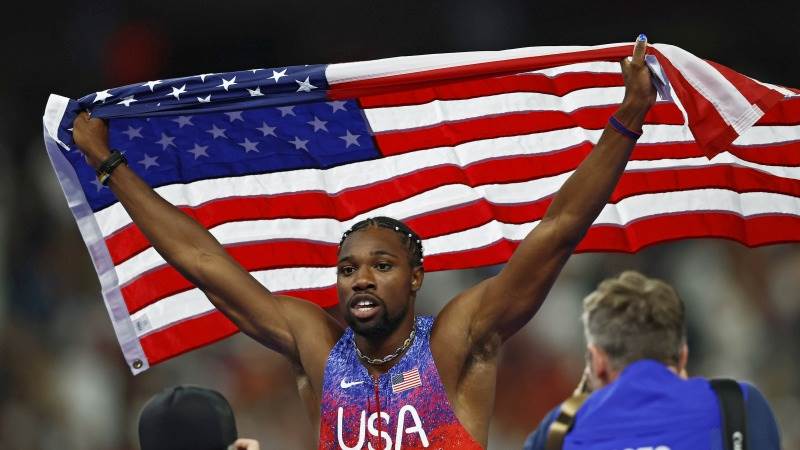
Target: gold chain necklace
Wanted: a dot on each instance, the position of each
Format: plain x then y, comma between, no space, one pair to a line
390,356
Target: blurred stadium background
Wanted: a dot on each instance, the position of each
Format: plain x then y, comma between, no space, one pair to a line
63,382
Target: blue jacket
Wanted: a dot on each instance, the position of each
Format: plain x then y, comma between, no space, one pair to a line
649,406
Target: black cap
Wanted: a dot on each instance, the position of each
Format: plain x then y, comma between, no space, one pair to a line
187,418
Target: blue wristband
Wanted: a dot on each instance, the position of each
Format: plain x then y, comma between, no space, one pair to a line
623,130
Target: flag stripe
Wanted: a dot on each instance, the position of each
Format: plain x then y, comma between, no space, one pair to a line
162,281
436,112
785,112
558,85
714,131
522,191
188,335
476,63
130,241
339,179
753,231
349,80
451,134
583,76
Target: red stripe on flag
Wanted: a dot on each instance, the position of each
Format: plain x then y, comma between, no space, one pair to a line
449,134
165,281
129,240
755,93
559,85
199,331
185,336
425,78
785,112
752,232
708,127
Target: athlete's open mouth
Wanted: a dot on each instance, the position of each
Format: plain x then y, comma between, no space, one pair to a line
364,306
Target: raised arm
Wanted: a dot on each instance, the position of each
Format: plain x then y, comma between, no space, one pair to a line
273,320
495,309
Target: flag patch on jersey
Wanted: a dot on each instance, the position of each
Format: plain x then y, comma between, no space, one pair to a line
405,381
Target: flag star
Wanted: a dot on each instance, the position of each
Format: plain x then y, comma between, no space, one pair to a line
227,83
199,150
127,101
267,130
166,141
98,184
299,143
337,105
255,92
286,111
217,132
206,99
277,75
149,161
101,96
183,120
351,139
318,124
133,132
255,70
176,92
152,84
305,86
249,146
204,75
234,116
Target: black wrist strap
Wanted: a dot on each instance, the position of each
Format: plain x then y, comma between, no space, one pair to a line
107,167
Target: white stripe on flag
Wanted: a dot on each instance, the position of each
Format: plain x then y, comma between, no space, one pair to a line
622,213
734,108
344,72
438,111
364,173
192,303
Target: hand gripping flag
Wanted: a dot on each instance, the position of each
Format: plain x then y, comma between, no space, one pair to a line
467,148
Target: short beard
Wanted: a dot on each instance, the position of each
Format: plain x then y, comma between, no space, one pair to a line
382,327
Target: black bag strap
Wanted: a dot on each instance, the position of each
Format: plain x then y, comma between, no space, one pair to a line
734,417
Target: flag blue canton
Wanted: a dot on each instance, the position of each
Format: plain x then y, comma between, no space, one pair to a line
196,141
211,92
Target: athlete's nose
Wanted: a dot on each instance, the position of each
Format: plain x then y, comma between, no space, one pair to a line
364,279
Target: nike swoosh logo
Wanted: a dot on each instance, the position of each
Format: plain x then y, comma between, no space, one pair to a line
344,384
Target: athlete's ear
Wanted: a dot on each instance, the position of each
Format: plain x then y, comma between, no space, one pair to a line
417,275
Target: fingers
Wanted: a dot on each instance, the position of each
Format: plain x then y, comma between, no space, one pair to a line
83,115
245,444
640,49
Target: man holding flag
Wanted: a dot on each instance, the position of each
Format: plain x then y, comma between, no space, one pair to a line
391,380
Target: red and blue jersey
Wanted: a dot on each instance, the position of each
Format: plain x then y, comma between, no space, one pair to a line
405,408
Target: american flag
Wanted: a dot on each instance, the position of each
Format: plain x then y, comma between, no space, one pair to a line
467,148
406,380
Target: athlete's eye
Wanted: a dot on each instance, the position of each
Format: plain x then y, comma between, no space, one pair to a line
346,270
383,266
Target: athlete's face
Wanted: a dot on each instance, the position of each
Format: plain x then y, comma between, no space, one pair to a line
375,281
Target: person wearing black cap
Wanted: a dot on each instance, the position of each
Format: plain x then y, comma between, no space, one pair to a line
190,418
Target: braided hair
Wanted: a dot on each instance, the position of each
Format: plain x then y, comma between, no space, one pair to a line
409,238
